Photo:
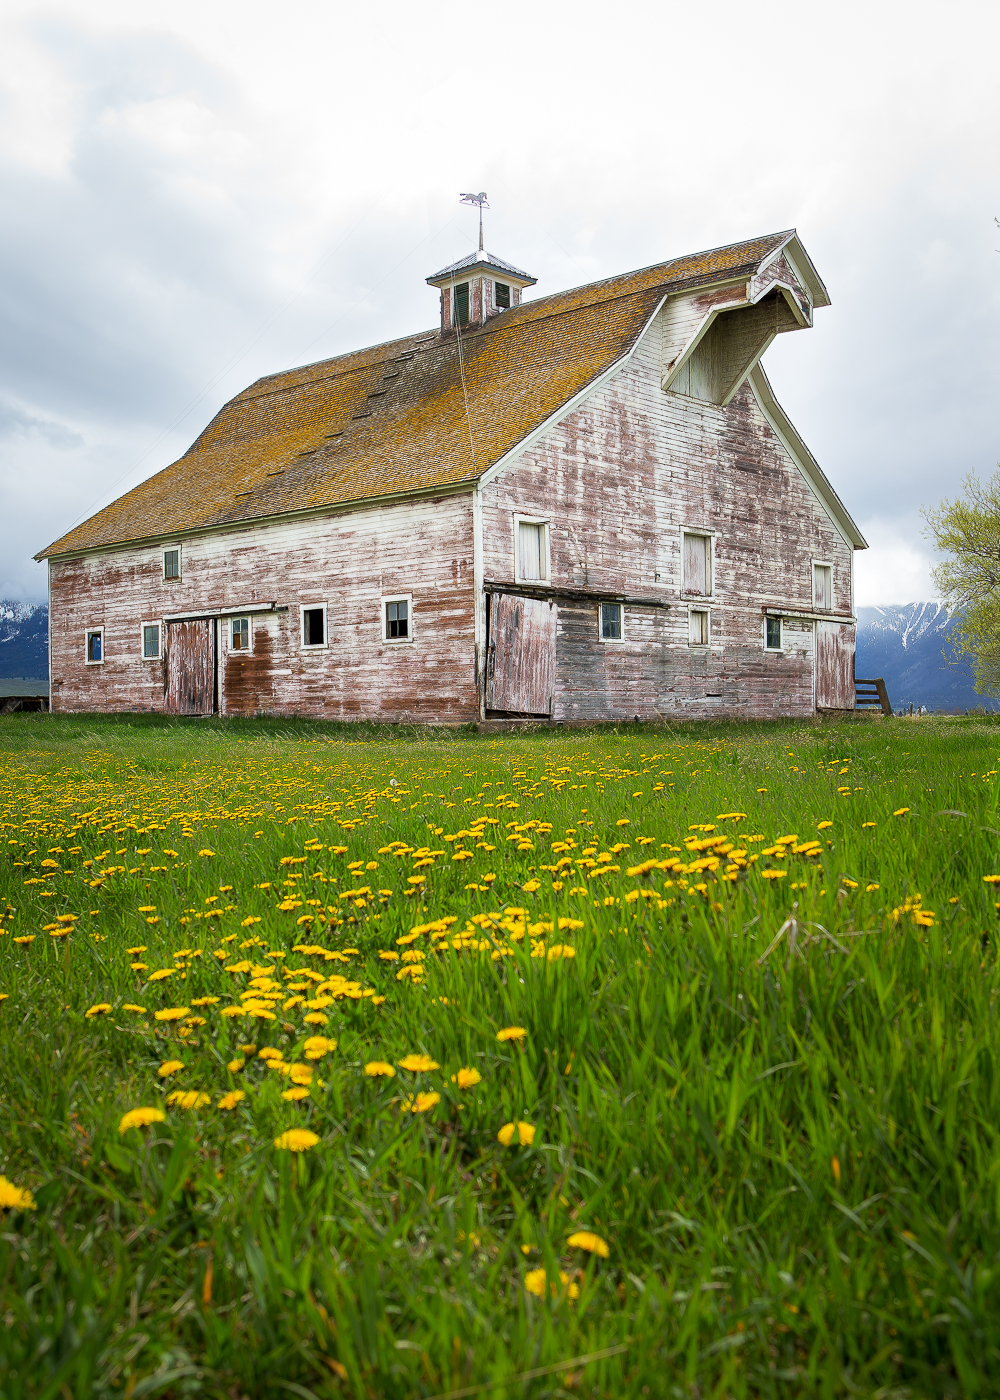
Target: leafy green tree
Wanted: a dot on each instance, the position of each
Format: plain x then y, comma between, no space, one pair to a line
967,530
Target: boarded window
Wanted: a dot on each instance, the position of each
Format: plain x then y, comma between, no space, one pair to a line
772,633
461,295
397,621
151,641
611,622
698,627
697,565
314,627
532,556
171,563
239,636
501,296
95,646
822,587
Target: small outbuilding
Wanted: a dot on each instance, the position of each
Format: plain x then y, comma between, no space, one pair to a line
585,506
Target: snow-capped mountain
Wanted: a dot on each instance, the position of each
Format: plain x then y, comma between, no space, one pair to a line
24,640
904,644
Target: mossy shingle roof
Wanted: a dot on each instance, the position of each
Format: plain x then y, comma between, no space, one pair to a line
391,420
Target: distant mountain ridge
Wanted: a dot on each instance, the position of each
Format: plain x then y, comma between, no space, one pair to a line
24,640
903,643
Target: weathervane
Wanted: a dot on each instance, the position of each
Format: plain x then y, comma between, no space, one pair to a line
483,203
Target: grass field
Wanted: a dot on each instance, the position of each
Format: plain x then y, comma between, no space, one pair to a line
353,1063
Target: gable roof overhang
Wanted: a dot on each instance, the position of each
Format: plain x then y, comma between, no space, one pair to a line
410,417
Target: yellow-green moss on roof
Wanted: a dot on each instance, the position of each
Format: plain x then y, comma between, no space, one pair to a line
391,420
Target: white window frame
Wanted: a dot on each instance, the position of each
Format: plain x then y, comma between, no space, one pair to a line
169,549
152,622
705,535
406,598
545,552
239,617
814,565
303,609
781,635
93,632
708,626
610,641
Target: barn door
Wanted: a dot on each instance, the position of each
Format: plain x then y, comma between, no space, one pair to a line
834,666
521,666
191,667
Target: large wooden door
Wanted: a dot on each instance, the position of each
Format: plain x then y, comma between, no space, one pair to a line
521,666
191,667
834,666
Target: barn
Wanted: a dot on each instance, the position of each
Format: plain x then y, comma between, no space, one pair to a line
579,507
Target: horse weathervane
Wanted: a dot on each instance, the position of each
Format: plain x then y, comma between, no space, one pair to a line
483,203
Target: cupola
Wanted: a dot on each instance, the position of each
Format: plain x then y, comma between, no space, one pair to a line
480,285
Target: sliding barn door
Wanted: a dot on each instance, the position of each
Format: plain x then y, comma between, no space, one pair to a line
521,667
834,666
191,667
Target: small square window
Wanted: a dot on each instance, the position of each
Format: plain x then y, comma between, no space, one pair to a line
822,587
239,634
95,646
397,621
314,627
698,627
501,296
611,622
151,641
171,563
772,634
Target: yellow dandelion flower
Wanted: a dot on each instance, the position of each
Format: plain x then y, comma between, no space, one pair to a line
15,1197
172,1013
586,1239
270,1052
535,1279
900,811
423,1103
234,1066
991,879
169,1067
141,1118
293,1095
131,1006
512,1033
822,826
231,1099
773,874
466,1078
101,1009
134,952
187,1099
525,1134
316,1018
560,950
229,1011
375,1068
206,852
161,975
296,1140
418,1064
316,1046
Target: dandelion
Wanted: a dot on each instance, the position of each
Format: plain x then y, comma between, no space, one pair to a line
418,1064
234,1066
161,975
141,1118
535,1279
560,950
131,1006
169,1067
900,811
375,1068
466,1078
296,1140
421,1104
317,1046
822,826
525,1134
512,1033
15,1197
773,874
991,879
101,1009
231,1099
206,852
172,1013
586,1239
187,1099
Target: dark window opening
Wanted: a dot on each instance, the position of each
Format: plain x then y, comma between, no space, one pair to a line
241,634
501,296
611,622
95,646
461,295
171,563
397,620
313,630
151,641
773,641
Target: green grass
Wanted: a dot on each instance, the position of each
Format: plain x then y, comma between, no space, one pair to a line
792,1151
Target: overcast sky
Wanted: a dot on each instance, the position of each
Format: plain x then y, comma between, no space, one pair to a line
196,194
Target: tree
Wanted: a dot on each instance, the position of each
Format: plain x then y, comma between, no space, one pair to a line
968,530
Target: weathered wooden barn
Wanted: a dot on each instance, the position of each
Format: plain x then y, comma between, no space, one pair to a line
584,506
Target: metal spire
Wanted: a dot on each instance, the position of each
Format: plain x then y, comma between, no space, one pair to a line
483,203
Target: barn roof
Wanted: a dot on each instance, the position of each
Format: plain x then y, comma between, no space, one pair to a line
392,420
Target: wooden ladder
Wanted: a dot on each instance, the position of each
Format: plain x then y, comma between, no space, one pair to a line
869,694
